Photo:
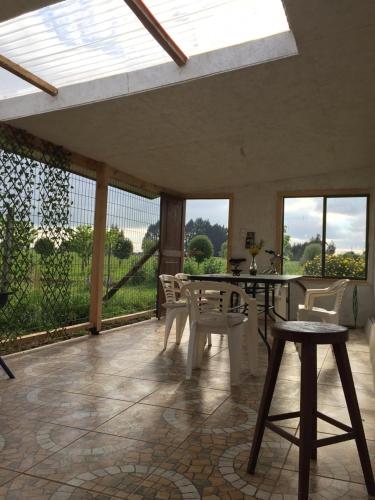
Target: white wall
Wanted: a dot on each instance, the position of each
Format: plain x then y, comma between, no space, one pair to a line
255,209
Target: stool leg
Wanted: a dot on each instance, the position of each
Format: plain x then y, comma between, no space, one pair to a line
347,382
307,417
314,401
268,390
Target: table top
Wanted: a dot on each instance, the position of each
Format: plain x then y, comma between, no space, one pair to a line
246,278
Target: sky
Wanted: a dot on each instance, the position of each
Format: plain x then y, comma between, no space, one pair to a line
216,211
346,221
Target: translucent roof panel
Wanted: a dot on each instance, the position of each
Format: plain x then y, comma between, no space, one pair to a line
81,40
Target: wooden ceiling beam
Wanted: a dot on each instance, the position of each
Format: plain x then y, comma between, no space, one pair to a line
26,75
157,31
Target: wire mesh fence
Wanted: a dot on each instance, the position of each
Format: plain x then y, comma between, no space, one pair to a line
132,232
46,244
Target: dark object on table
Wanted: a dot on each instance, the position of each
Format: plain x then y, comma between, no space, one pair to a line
235,263
3,301
311,334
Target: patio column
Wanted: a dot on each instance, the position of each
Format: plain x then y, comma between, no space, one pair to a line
172,235
97,269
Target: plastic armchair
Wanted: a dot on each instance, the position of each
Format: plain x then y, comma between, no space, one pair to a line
212,313
176,307
184,278
309,311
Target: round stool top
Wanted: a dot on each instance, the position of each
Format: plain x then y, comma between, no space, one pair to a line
310,331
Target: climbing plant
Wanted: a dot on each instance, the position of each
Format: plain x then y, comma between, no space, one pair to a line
34,204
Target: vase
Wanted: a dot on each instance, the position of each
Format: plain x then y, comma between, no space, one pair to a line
253,266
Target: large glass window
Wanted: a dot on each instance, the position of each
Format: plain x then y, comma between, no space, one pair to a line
325,236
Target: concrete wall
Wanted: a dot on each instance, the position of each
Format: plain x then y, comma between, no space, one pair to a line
255,209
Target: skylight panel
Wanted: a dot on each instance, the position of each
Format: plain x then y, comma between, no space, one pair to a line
204,25
81,40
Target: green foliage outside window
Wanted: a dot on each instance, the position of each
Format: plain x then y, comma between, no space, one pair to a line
352,266
201,248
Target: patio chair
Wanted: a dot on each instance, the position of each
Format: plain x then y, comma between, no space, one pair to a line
176,308
185,280
212,313
308,311
182,277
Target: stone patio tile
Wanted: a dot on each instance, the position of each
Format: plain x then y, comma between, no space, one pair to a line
184,397
154,424
25,487
75,410
99,462
37,440
122,388
321,488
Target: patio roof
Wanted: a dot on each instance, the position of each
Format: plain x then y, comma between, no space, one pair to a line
309,114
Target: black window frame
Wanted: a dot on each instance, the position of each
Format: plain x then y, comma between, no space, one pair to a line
324,227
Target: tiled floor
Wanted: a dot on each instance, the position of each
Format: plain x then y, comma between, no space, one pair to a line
113,417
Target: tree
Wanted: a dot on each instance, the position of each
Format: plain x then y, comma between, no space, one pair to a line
297,249
216,233
201,248
287,248
112,236
81,243
123,247
311,251
44,247
224,250
331,248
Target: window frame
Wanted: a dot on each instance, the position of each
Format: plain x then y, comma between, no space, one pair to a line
325,195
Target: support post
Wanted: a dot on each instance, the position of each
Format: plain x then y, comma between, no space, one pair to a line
97,270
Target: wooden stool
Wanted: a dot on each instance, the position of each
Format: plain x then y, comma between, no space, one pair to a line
310,334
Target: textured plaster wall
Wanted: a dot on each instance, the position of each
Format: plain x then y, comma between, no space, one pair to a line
255,209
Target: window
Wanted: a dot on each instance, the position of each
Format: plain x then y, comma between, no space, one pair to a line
325,236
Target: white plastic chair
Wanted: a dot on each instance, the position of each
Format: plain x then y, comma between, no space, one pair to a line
184,278
308,311
214,315
176,308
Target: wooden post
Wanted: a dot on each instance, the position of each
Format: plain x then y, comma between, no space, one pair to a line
97,271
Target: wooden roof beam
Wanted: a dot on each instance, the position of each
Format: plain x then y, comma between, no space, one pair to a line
29,77
157,31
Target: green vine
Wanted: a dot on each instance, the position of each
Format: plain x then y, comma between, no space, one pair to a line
34,203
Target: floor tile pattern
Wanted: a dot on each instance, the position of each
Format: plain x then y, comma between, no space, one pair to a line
112,416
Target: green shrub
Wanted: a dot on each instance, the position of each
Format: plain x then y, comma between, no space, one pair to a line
201,248
44,247
337,266
123,247
214,265
311,251
224,250
190,266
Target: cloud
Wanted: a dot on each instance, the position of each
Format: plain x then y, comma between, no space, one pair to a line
346,221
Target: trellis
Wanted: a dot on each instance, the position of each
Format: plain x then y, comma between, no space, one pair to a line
34,201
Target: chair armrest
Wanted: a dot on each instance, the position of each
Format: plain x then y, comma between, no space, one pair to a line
314,293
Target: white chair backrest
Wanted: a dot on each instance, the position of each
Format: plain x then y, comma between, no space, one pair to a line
339,287
172,287
202,299
182,277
